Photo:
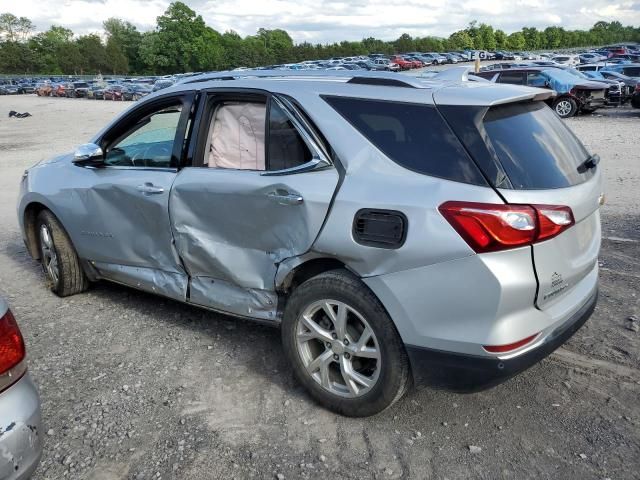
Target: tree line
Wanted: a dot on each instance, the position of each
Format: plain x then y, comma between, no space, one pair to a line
182,42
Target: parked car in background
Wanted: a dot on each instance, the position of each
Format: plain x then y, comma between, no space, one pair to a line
628,84
59,90
95,92
574,95
571,60
26,87
44,89
628,69
113,92
635,98
9,89
385,64
76,89
401,62
136,91
162,83
508,198
591,57
21,432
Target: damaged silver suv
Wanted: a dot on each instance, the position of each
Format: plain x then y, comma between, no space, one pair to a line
399,230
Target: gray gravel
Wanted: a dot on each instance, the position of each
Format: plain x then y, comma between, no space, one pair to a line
140,387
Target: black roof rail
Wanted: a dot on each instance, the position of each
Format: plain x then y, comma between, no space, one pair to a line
360,77
387,82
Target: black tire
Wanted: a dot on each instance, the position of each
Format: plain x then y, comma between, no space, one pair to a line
71,278
394,374
565,107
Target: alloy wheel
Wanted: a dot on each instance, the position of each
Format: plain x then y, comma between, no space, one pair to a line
49,254
563,108
338,348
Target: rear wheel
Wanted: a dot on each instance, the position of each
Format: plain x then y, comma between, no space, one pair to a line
58,257
343,346
565,107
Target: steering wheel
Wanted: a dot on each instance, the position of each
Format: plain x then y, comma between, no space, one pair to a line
150,153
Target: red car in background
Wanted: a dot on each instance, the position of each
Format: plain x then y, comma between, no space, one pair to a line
415,62
113,92
59,90
402,63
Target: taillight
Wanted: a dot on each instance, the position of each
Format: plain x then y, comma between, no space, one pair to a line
552,219
488,227
12,349
509,347
637,87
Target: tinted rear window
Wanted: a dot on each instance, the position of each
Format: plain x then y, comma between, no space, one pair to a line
412,135
535,147
632,71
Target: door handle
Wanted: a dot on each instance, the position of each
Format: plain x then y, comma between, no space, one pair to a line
286,198
149,189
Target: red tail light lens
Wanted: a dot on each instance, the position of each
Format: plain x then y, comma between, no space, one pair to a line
552,220
509,347
12,349
490,227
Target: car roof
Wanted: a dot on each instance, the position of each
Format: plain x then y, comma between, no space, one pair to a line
449,87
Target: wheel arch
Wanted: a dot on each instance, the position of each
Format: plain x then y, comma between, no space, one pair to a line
294,271
29,218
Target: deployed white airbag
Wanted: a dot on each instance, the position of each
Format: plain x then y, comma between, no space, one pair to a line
237,136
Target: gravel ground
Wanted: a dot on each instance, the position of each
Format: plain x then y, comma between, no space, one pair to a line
135,386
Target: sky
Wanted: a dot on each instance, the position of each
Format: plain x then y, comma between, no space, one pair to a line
321,21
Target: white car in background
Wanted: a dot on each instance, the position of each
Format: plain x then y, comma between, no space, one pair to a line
571,60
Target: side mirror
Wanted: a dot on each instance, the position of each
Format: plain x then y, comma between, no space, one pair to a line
88,155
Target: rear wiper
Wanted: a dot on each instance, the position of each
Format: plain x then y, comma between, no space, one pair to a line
589,163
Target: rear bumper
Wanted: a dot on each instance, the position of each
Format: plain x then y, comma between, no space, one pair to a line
470,373
20,430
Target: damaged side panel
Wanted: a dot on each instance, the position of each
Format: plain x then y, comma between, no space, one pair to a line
238,225
246,302
169,284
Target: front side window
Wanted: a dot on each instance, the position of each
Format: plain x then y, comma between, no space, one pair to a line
149,143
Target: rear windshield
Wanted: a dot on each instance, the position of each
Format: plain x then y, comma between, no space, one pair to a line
535,147
413,135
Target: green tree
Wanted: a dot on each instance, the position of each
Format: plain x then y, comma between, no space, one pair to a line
486,33
127,36
278,43
501,39
115,58
460,40
93,53
14,29
181,42
516,41
533,38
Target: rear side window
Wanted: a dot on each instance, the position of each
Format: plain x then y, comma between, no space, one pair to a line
632,71
535,148
412,135
511,77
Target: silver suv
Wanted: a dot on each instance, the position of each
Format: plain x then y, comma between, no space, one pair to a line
439,231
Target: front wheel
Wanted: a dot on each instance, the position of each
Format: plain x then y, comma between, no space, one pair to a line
343,347
565,107
58,257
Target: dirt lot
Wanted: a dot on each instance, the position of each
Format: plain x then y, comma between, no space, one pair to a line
135,386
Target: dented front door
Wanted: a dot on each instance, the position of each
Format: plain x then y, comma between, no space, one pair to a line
125,229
